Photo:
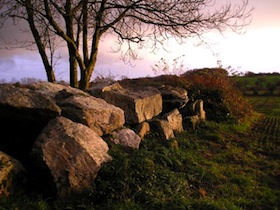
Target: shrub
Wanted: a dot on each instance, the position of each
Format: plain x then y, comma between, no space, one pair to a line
222,101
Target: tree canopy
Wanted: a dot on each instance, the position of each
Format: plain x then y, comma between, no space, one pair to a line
81,24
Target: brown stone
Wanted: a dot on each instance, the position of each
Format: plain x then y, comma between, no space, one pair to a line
12,176
139,103
175,120
93,112
163,128
142,129
127,138
72,153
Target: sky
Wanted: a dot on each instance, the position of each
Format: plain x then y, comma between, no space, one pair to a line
255,50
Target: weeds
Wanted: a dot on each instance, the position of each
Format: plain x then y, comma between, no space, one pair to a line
203,171
217,166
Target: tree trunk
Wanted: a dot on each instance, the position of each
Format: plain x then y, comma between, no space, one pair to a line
73,66
49,71
85,32
84,82
88,71
48,67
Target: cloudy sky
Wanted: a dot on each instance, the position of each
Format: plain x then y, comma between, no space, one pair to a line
256,50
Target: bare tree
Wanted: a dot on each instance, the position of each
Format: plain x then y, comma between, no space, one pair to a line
82,24
43,37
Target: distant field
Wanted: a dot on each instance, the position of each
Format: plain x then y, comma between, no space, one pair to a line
259,85
265,80
268,105
269,125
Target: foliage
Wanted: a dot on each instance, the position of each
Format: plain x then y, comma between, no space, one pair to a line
24,202
222,100
176,66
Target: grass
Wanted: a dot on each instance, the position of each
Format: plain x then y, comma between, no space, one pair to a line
217,166
214,168
265,80
268,105
259,85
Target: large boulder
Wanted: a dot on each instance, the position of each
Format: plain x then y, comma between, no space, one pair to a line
199,110
71,153
81,107
55,91
97,88
13,176
93,112
173,97
14,101
23,114
139,103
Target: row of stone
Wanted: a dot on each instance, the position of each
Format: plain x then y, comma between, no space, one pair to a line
55,131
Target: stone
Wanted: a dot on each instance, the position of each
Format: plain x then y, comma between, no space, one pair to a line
194,108
25,99
93,112
139,103
190,122
142,129
13,176
127,138
52,90
175,120
23,114
81,107
97,88
71,153
198,107
163,128
173,97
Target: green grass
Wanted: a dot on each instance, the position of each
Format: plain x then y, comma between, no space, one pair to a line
214,168
259,85
268,105
217,166
265,80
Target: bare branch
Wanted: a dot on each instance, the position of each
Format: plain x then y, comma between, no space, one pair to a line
136,23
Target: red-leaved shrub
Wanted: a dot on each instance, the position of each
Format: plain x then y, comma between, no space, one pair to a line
222,101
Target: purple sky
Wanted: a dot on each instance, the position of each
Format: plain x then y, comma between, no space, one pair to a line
257,50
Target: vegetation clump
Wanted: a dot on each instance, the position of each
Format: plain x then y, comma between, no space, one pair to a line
217,89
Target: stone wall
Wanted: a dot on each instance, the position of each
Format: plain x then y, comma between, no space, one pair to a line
57,132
